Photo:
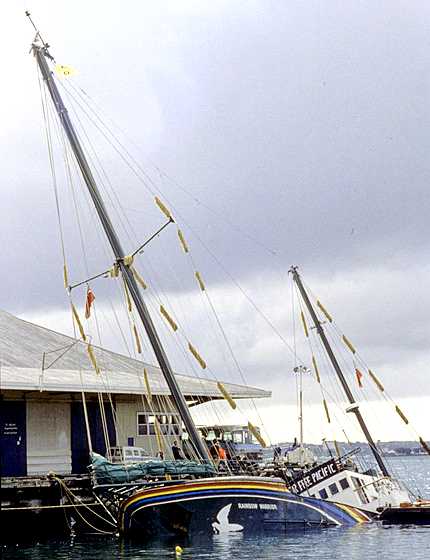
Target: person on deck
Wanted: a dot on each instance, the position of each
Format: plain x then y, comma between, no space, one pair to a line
277,453
177,452
213,449
222,456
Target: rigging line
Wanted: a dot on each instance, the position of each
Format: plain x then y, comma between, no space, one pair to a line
73,323
60,133
108,256
362,361
136,164
71,497
335,394
247,297
69,347
104,424
341,353
61,137
151,190
145,174
162,173
45,108
202,376
180,347
234,358
184,221
68,159
334,397
218,214
93,160
322,389
132,159
118,324
51,161
126,150
386,397
117,150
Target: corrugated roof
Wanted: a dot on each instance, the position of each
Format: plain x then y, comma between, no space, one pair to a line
22,345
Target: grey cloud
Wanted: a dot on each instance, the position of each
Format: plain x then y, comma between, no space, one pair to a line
307,128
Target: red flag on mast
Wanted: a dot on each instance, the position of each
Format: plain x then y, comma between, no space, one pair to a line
359,376
90,298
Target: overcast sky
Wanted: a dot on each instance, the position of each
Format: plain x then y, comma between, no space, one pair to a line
294,132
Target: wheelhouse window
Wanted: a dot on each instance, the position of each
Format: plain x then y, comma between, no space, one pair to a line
238,437
344,484
333,489
358,488
170,424
323,494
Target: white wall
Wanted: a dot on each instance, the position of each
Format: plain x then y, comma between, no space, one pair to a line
48,437
127,427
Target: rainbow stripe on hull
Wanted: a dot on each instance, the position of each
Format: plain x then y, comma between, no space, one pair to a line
230,504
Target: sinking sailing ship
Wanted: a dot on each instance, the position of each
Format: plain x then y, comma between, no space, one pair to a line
206,503
340,479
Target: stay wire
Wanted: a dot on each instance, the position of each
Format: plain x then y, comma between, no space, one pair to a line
155,190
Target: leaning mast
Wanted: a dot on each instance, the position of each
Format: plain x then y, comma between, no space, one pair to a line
354,407
41,53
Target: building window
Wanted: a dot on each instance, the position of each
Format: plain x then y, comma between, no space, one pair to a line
323,494
333,489
170,424
344,484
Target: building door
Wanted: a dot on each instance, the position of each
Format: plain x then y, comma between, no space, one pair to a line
13,440
80,448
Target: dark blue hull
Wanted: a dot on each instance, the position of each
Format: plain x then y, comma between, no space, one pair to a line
227,506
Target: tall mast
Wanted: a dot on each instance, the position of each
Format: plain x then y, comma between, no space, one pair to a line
354,405
40,52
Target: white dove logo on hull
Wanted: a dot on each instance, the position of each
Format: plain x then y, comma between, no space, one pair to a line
222,524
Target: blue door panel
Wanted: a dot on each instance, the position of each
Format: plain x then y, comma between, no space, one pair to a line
13,438
80,448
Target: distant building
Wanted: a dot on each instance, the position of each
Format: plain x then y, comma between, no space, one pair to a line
44,376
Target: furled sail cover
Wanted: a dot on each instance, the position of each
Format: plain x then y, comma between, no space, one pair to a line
108,473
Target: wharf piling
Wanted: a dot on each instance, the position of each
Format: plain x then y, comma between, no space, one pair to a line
50,506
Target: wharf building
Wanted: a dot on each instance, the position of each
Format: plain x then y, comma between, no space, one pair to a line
44,377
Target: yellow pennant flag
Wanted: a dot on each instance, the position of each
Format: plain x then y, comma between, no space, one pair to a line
64,71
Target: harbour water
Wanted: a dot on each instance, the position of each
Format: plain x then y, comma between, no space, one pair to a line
364,542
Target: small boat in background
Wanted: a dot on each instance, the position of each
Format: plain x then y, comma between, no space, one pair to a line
416,513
